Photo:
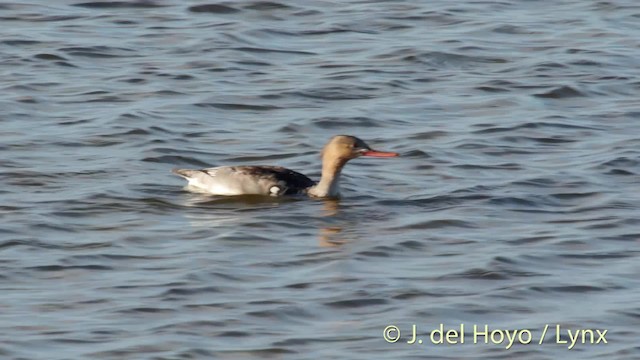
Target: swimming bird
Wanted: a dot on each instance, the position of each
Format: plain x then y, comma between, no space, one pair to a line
278,181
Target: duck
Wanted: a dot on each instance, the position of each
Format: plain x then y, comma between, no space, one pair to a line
280,181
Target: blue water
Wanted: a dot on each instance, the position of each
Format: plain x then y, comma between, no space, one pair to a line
514,203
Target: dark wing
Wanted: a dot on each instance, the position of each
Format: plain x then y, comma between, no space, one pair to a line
289,181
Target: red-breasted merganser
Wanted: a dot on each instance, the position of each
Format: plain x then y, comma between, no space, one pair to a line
278,181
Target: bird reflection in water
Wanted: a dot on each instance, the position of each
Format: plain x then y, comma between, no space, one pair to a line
330,230
331,236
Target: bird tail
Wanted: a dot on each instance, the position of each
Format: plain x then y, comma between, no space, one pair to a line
185,173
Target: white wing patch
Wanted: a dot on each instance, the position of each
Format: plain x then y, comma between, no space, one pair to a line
278,190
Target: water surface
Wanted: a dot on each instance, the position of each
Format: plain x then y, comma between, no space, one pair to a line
515,202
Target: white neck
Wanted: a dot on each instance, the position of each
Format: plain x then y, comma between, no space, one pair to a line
327,187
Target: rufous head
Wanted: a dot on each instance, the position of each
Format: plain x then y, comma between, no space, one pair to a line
346,147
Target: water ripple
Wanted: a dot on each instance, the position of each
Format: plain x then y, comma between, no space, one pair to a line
514,202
